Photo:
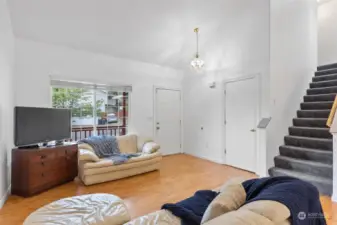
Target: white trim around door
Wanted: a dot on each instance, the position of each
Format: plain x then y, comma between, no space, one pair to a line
258,108
155,117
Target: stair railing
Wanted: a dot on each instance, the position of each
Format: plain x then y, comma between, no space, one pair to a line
332,113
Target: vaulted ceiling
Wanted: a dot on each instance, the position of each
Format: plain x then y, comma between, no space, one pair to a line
154,31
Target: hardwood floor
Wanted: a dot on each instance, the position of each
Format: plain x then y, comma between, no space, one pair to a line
180,176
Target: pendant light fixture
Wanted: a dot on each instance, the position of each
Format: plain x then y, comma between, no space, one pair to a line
197,63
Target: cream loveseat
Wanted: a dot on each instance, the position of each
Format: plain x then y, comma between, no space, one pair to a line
93,170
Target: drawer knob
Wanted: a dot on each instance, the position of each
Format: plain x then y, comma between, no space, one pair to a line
42,174
43,156
42,163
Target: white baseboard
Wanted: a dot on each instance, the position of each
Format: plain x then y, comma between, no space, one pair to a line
219,161
4,198
334,197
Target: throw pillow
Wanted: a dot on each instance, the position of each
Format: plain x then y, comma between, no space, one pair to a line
231,197
150,147
87,155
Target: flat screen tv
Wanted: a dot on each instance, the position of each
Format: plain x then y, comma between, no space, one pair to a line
41,125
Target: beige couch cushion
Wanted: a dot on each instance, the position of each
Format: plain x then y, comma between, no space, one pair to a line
94,209
85,146
104,177
109,162
124,166
87,155
150,147
274,211
240,217
231,197
127,143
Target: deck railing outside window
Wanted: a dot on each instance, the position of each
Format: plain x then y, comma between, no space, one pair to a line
95,111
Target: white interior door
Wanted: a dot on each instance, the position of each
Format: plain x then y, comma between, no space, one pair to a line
241,121
168,120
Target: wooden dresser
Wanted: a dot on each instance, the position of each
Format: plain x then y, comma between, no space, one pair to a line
39,169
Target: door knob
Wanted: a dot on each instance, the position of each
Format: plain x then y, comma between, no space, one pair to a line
252,130
158,128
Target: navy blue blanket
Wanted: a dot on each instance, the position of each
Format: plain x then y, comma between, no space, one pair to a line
301,198
191,210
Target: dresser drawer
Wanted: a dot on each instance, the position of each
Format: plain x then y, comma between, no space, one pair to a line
42,178
37,157
43,165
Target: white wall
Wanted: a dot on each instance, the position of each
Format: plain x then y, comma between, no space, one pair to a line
36,62
327,32
293,60
242,49
6,98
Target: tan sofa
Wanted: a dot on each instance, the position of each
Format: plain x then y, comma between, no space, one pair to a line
227,209
93,170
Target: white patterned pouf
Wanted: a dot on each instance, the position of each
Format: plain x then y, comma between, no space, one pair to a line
94,209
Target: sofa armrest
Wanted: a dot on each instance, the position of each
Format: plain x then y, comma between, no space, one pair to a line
150,147
87,155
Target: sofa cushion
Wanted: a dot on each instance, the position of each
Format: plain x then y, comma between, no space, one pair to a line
124,166
109,162
274,211
231,197
240,217
150,147
87,155
85,146
104,177
127,143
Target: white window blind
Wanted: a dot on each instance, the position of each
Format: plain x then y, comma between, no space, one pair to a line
92,86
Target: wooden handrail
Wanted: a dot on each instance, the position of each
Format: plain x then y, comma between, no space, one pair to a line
332,113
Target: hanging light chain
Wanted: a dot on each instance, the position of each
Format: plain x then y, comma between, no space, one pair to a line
196,30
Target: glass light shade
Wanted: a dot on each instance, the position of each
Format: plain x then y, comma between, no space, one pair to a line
197,63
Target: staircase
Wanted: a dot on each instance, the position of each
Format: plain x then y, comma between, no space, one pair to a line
307,150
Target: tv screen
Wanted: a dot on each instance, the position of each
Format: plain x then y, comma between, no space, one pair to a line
36,125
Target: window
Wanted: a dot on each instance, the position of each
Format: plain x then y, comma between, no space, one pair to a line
95,109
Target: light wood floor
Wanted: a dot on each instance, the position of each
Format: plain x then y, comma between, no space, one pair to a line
180,176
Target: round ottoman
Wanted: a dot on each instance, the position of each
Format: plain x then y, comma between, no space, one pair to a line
98,209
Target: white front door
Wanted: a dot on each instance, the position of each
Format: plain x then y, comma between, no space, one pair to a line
168,120
241,121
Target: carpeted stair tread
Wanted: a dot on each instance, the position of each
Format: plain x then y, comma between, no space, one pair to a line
316,105
309,142
322,90
316,113
326,72
323,184
309,122
307,154
305,166
326,67
320,98
325,77
315,132
326,83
